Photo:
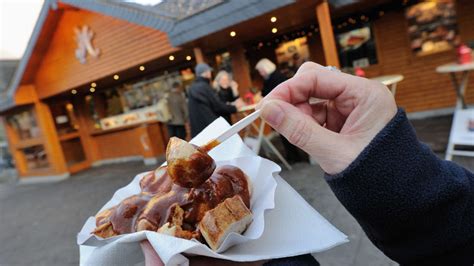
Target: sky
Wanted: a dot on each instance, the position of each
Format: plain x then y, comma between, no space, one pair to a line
17,20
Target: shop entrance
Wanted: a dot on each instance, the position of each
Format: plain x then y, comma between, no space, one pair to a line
68,129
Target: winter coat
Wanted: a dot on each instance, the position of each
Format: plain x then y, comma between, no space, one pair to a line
205,106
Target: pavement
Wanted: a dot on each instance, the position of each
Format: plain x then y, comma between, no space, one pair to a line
39,223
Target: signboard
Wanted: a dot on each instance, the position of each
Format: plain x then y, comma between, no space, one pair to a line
432,26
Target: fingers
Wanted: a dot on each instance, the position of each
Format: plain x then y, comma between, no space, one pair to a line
312,80
299,128
334,119
151,258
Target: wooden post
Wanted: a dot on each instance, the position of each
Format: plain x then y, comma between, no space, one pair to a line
88,143
198,55
327,34
240,69
51,142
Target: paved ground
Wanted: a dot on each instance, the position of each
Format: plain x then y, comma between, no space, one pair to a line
38,223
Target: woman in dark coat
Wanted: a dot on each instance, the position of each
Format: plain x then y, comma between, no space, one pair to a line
226,89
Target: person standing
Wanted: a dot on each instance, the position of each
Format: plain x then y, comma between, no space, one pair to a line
272,77
204,105
226,89
179,112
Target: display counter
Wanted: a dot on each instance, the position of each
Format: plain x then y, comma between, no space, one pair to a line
132,142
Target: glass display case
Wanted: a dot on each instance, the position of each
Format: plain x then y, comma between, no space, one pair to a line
65,118
24,125
35,157
132,103
26,140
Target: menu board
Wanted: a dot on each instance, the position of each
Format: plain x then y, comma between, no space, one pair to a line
432,26
357,48
291,55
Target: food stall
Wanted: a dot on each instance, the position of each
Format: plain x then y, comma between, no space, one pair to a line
84,92
73,110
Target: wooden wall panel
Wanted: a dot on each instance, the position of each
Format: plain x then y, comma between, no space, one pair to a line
423,88
122,45
145,140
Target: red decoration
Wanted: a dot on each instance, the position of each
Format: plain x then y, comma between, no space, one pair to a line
248,98
359,72
464,54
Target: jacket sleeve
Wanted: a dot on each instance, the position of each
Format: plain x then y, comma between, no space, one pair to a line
217,105
411,204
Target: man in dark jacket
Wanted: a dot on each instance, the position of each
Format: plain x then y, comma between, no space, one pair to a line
203,103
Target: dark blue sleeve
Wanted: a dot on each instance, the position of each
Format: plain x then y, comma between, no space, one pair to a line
413,206
218,106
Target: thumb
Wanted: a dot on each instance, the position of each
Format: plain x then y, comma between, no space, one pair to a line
331,150
298,128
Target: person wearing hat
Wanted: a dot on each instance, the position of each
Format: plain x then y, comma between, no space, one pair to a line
203,103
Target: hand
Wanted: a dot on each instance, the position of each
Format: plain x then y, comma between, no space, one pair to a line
151,258
334,132
239,103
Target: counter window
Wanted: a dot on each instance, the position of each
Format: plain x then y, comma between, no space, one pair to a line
35,157
24,125
133,103
357,48
432,27
64,117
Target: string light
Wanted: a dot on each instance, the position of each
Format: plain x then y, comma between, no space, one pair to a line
74,92
93,85
92,89
171,57
142,68
116,77
273,19
274,30
188,58
232,34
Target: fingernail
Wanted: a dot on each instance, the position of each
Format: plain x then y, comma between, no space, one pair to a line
272,113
